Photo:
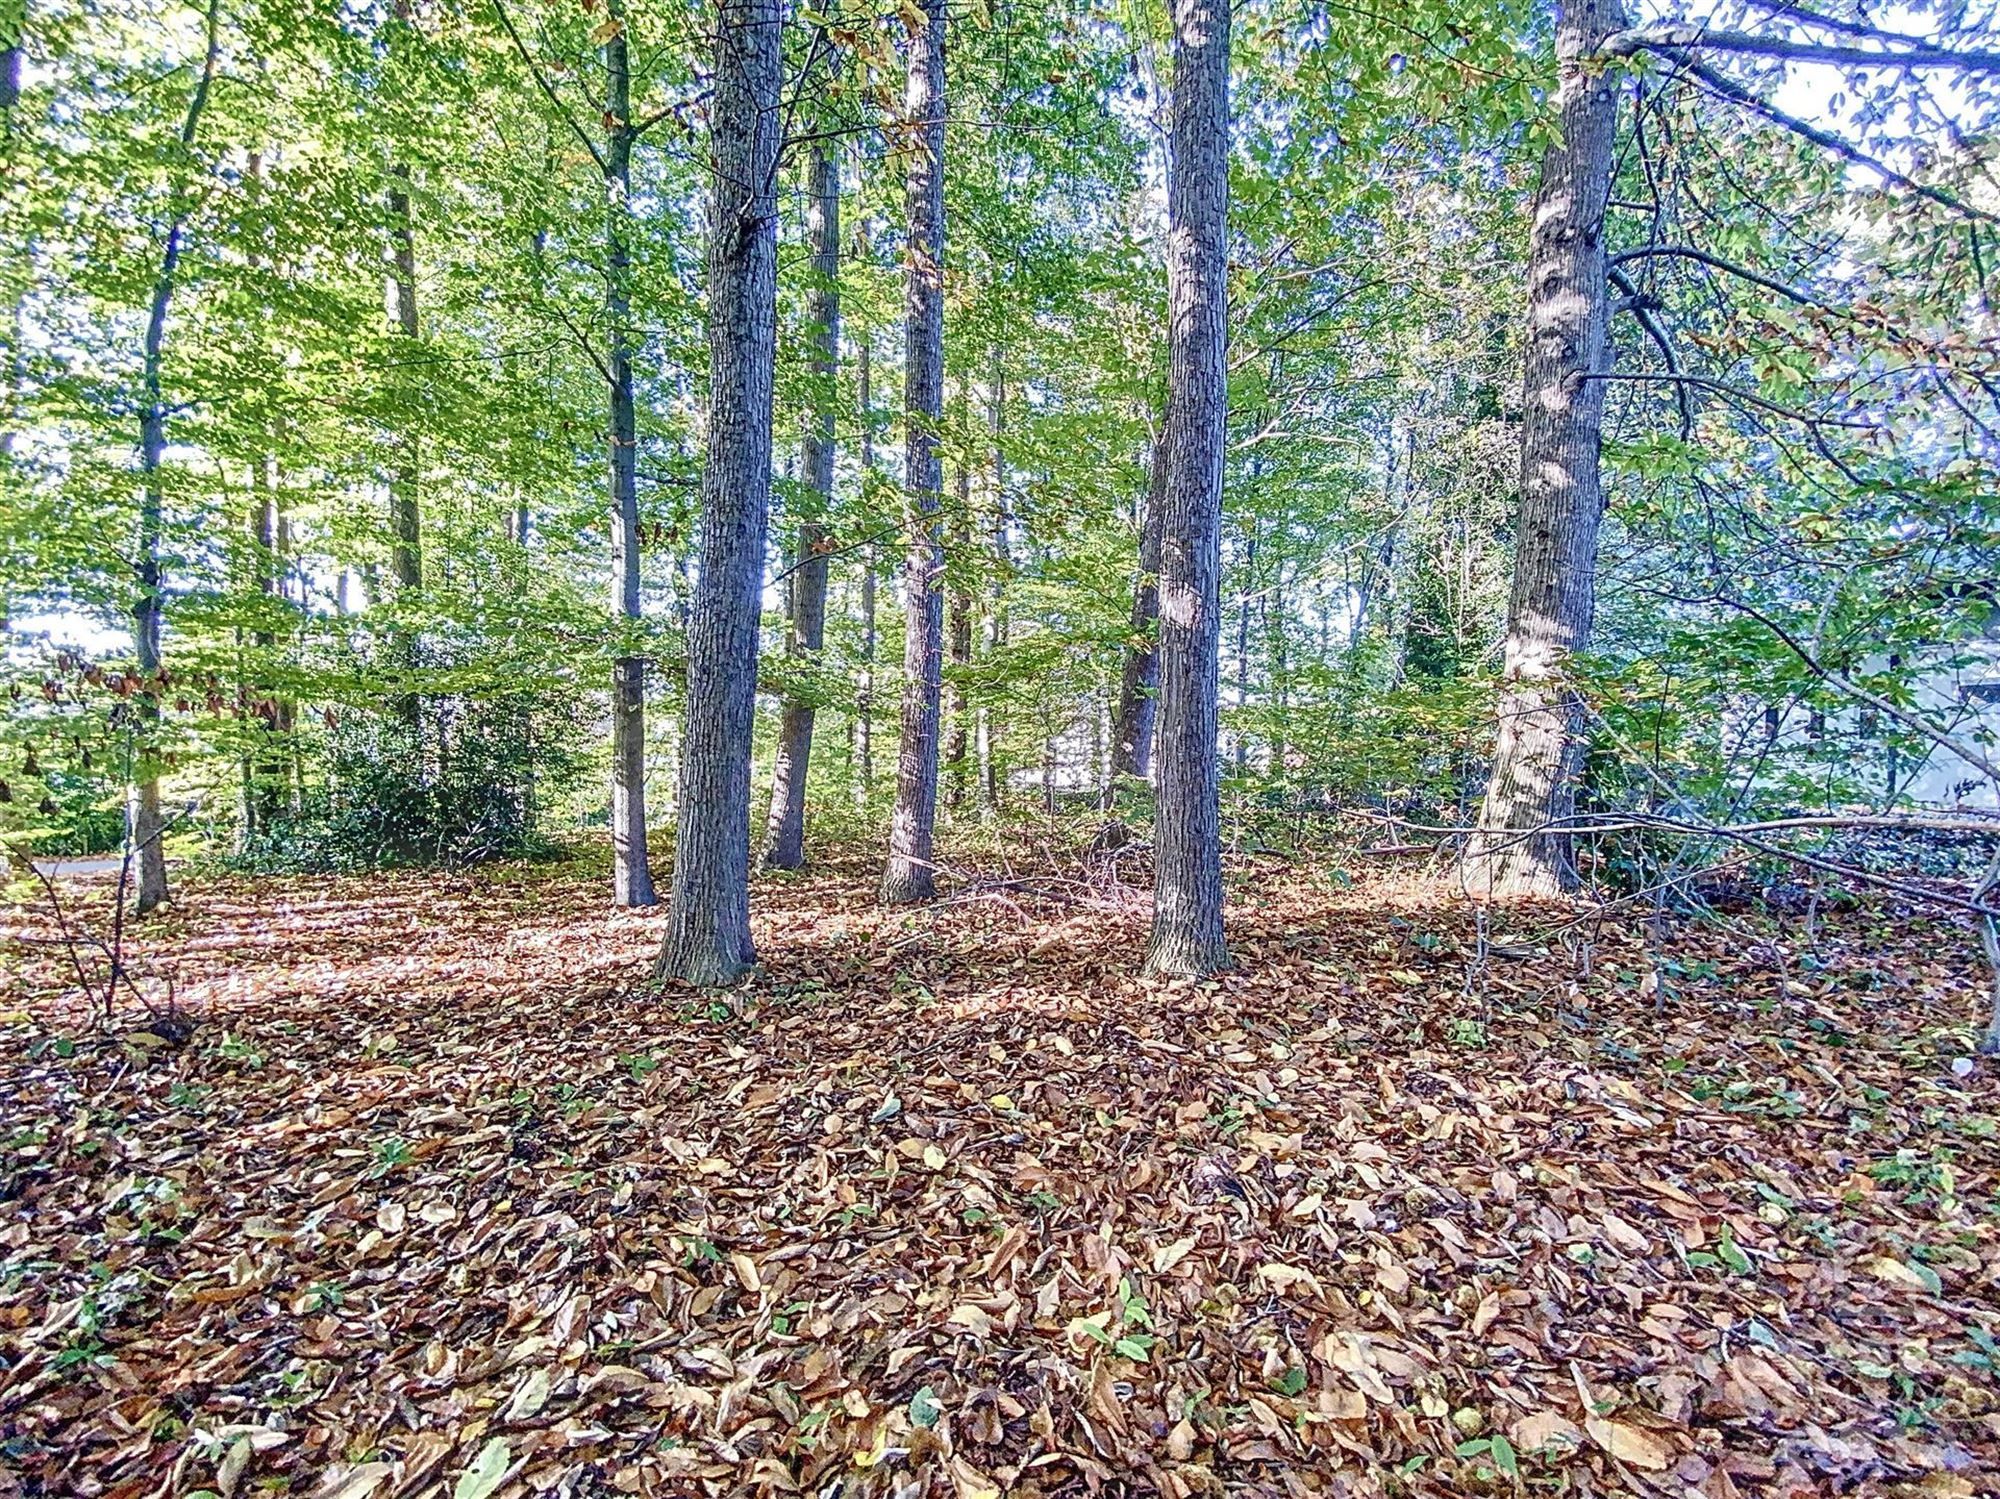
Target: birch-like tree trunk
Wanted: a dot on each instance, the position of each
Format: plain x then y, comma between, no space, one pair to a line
1539,750
631,870
1187,880
1132,726
148,828
909,876
708,919
785,845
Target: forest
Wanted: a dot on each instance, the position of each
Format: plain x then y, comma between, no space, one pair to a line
963,749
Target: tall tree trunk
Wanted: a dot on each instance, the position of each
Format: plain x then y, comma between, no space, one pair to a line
148,829
267,769
960,644
864,697
1538,754
631,871
405,520
785,846
1243,648
996,600
270,788
708,921
909,876
1187,880
1132,726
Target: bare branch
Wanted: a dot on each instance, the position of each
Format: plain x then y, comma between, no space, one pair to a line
1728,267
542,82
1912,721
1672,37
1729,89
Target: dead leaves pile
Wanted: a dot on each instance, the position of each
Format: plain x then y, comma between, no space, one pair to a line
440,1200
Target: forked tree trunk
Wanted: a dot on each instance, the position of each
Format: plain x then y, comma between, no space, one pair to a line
708,920
909,876
1520,849
1187,880
148,829
1132,726
785,846
631,870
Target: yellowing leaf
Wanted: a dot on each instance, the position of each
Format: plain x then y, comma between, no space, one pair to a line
529,1397
1002,1102
1910,1277
356,1483
1629,1444
1546,1429
968,1482
973,1318
1283,1277
484,1476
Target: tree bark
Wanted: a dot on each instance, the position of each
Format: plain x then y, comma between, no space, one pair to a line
1132,726
1187,934
13,34
786,829
405,519
960,637
631,870
269,798
864,697
148,829
996,601
708,921
1538,754
909,876
1242,739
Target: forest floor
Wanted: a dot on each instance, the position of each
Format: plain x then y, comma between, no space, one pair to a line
441,1197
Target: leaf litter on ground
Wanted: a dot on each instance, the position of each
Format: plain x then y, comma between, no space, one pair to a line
443,1199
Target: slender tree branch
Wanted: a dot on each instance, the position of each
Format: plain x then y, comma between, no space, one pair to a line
1641,307
1672,37
1912,721
1729,89
548,90
1716,262
1734,393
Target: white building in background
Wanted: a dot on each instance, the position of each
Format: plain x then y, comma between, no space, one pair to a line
1959,693
1965,700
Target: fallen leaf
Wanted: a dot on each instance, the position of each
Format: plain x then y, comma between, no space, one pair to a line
1628,1444
486,1472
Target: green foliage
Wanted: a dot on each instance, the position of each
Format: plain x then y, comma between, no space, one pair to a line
1830,475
